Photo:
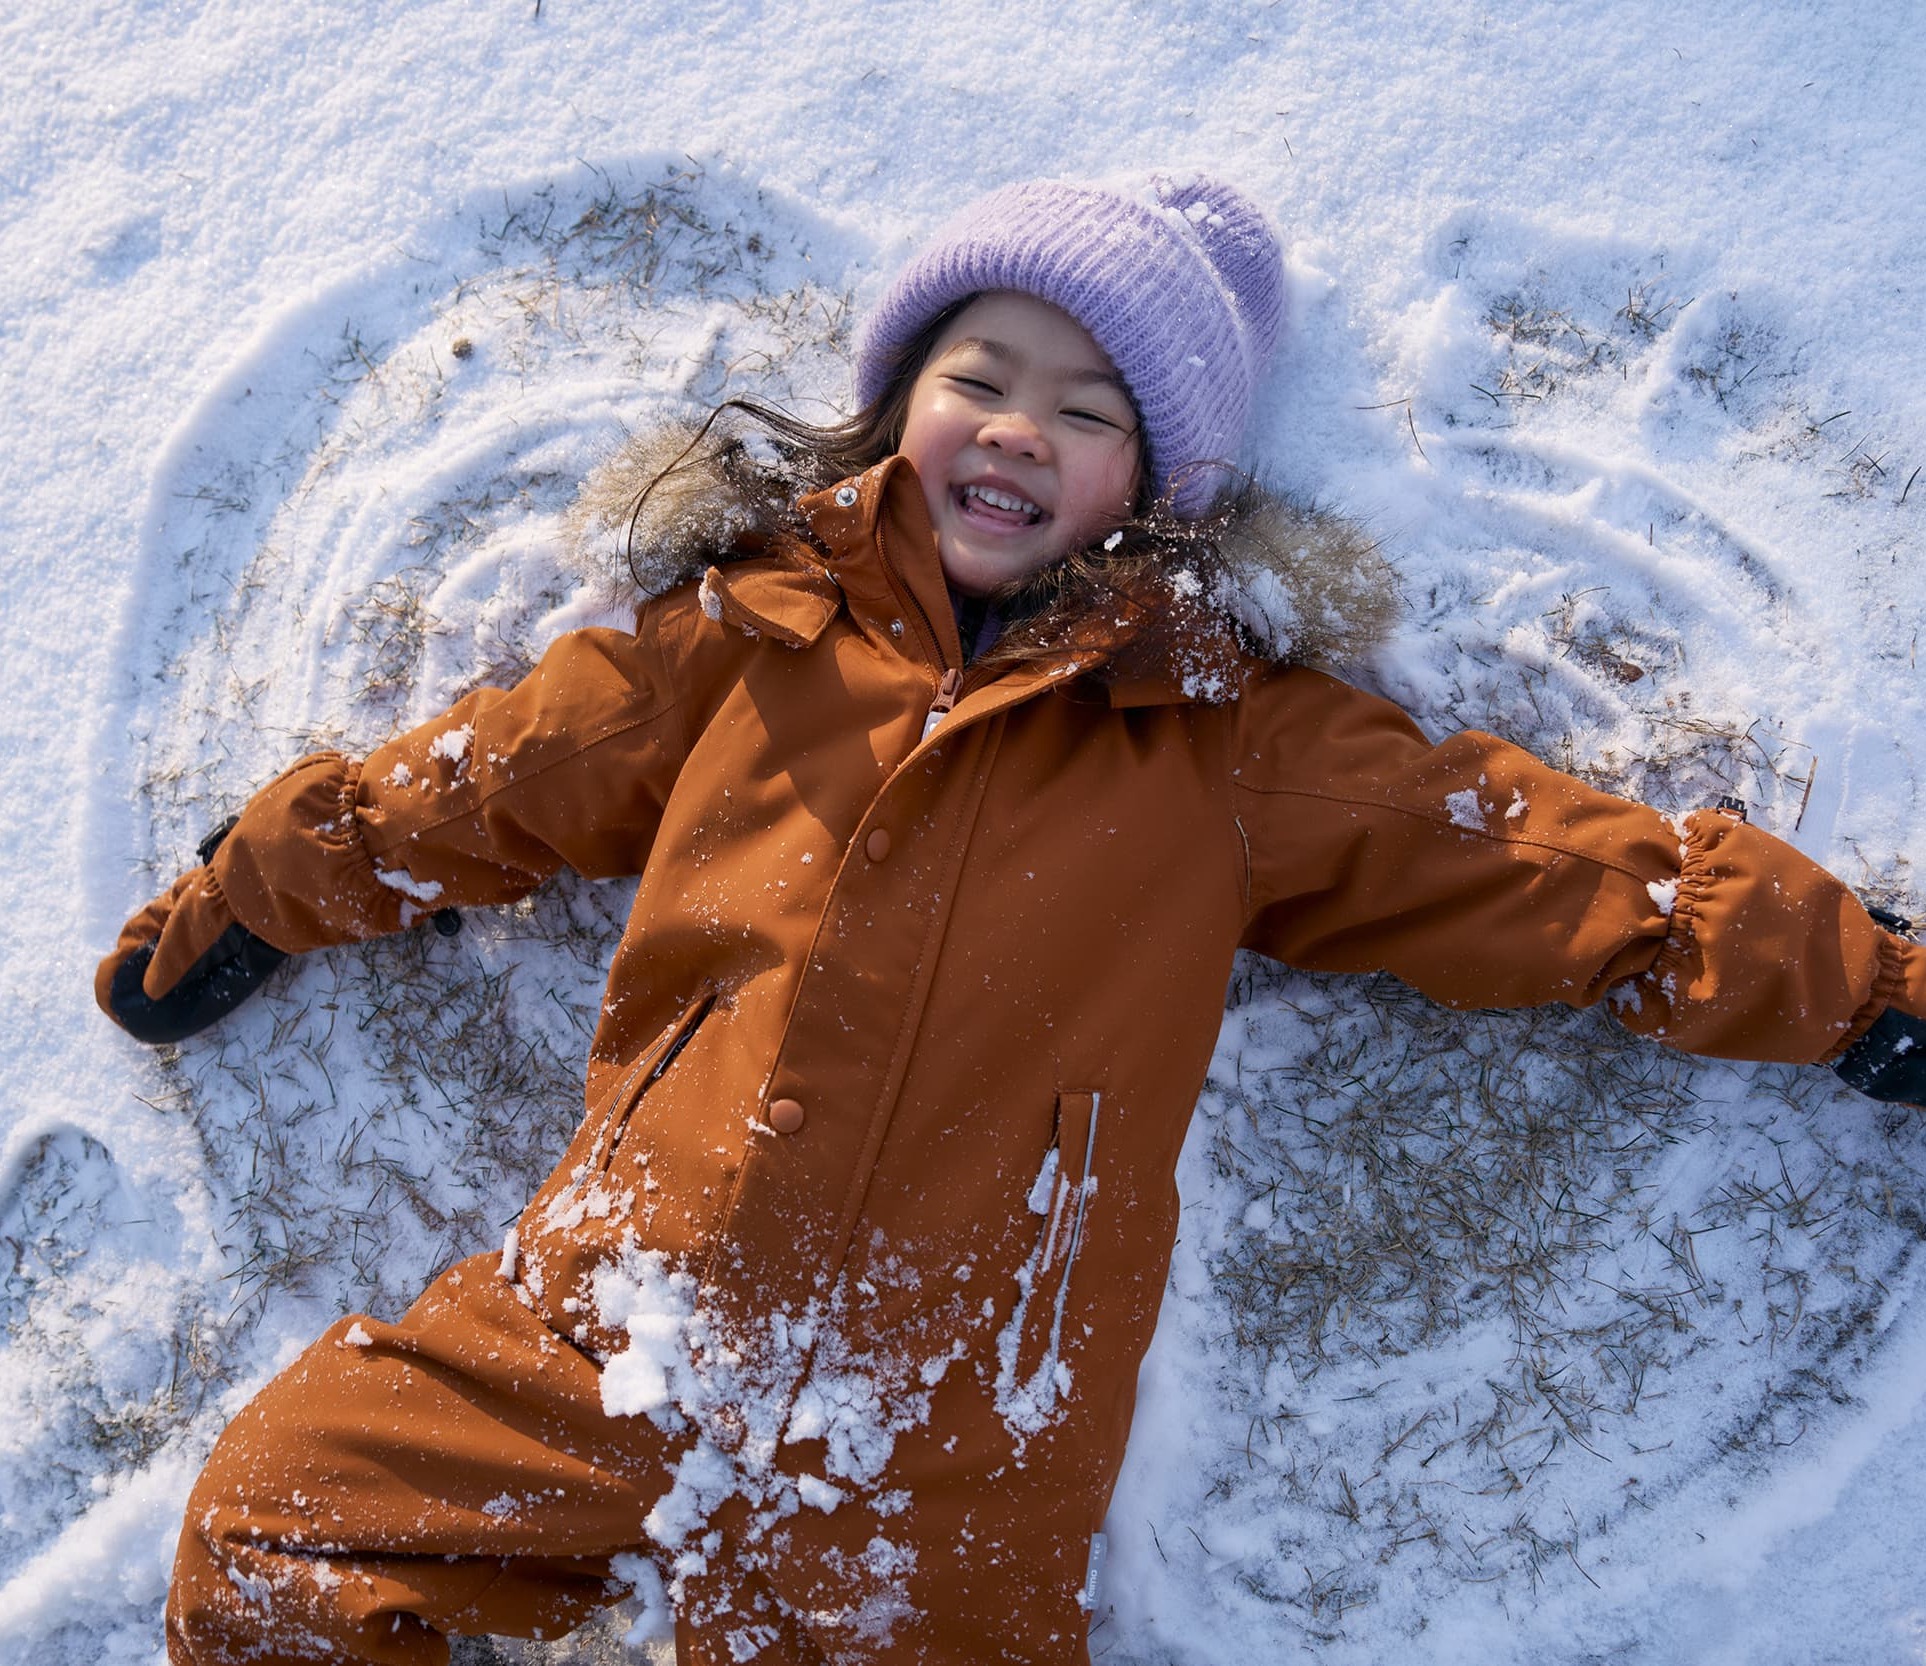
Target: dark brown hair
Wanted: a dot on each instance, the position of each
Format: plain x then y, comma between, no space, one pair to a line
810,455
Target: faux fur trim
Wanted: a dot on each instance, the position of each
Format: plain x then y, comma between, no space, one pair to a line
1303,584
718,504
1298,583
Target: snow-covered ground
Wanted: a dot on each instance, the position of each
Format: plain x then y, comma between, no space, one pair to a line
1489,1339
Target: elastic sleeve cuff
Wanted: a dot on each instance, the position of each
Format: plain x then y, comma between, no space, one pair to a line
1765,954
1900,982
295,870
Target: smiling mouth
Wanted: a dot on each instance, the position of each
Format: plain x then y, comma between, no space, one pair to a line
998,508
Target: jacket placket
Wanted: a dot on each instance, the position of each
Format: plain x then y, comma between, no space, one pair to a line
846,1049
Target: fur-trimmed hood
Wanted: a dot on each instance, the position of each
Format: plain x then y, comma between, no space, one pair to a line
1292,582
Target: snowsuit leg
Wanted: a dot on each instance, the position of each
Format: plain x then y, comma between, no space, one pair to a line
453,1472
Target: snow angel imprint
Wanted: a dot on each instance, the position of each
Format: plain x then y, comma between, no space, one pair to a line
958,749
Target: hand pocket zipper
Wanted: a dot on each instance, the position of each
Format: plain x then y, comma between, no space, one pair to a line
651,1067
1031,1375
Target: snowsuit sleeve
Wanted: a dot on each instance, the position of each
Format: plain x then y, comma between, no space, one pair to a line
569,768
1483,877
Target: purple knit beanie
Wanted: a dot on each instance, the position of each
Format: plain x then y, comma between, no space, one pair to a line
1179,280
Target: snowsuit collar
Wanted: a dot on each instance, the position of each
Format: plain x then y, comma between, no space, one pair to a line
870,536
857,537
1295,583
875,529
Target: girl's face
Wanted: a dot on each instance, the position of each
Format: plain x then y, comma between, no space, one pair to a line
1024,439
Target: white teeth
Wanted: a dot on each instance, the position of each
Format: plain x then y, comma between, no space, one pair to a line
1002,500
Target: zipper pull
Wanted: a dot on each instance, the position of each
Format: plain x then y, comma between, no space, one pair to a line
946,693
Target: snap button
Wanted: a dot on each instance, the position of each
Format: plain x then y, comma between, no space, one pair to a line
786,1115
876,846
845,496
896,627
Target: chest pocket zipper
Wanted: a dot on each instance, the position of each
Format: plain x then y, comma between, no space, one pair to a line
1030,1373
651,1067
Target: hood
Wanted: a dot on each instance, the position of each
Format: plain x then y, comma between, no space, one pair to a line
1292,582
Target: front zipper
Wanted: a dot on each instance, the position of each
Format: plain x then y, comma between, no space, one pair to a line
944,703
950,684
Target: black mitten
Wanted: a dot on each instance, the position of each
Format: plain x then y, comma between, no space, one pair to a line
210,962
1889,1060
230,971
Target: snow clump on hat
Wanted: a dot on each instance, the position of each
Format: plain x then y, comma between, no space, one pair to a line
1179,280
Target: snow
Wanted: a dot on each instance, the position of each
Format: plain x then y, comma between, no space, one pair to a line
400,879
1603,320
652,1619
453,744
654,1304
731,1403
1466,810
818,1494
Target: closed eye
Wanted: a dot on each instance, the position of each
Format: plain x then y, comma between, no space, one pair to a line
975,383
1101,418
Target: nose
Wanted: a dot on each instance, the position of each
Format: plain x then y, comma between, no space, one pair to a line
1013,431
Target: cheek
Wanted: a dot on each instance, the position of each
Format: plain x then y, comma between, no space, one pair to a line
1112,483
1135,479
924,446
935,428
1117,471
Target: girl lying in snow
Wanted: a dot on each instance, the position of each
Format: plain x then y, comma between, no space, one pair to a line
953,787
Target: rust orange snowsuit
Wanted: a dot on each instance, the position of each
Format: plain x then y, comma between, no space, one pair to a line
886,1099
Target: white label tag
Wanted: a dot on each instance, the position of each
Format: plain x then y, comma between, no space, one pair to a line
1092,1592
